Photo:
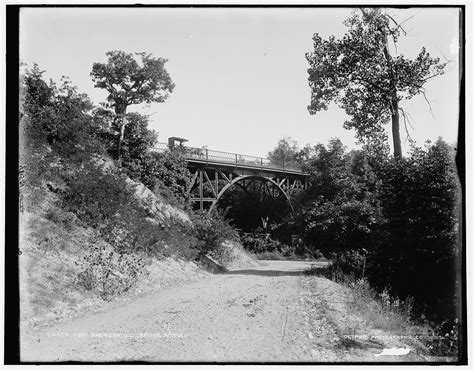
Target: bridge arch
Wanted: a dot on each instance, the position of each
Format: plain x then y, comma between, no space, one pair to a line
243,177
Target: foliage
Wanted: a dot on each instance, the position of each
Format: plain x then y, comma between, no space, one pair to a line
348,263
131,81
57,134
98,195
138,140
285,154
211,231
445,338
109,273
340,211
420,197
104,200
403,215
268,248
170,176
57,117
358,73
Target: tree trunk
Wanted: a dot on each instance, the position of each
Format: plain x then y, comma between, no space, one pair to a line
397,145
120,114
119,150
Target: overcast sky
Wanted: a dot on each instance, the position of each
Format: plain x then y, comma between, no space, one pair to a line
240,74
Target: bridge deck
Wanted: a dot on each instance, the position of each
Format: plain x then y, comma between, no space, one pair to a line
204,156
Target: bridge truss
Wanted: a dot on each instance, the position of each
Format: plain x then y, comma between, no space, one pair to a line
214,172
212,182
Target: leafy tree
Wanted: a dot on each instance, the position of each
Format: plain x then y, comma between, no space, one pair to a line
359,73
420,253
285,153
56,124
59,117
129,81
340,210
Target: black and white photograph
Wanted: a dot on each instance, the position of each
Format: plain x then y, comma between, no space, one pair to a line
236,184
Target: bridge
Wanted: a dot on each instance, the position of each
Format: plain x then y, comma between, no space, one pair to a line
214,172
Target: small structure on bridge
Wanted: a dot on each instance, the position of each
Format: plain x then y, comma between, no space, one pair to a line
172,141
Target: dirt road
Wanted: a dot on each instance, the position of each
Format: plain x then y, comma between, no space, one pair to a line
266,314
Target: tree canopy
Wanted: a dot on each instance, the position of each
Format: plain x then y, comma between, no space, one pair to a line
361,76
129,81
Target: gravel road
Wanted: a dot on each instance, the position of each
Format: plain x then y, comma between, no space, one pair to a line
270,313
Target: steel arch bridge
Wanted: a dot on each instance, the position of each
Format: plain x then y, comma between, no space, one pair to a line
214,172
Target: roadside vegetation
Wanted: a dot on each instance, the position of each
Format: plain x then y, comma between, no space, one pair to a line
390,224
96,197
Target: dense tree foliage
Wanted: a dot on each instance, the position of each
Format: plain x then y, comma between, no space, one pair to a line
340,210
420,253
58,117
170,175
396,222
361,76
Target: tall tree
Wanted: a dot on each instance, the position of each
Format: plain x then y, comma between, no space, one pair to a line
131,79
360,74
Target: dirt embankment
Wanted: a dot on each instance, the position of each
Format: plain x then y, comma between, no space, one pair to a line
269,313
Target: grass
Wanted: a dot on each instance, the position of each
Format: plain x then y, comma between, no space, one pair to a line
382,310
389,313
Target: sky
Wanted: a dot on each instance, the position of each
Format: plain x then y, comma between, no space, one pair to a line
240,73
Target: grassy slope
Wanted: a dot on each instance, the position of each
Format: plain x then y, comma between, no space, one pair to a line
51,250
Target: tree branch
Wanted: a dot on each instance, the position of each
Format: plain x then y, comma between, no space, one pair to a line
427,101
405,120
430,77
399,25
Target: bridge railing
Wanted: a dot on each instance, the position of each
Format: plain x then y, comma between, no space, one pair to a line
207,155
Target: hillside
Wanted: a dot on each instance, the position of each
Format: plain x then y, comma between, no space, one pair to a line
54,249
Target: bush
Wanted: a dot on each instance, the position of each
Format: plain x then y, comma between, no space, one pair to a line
341,210
109,273
352,262
99,196
210,232
170,176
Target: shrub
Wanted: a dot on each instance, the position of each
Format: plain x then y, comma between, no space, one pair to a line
99,196
170,175
210,232
109,273
348,263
